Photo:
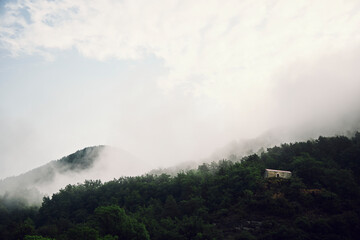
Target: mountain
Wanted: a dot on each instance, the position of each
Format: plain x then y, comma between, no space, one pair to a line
97,163
33,182
219,200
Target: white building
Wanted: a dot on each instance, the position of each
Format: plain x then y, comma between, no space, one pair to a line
277,173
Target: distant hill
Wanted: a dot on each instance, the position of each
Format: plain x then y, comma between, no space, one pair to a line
32,181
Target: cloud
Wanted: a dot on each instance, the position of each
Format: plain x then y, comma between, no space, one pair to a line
229,70
320,93
210,47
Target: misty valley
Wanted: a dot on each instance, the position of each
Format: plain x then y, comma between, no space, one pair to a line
227,199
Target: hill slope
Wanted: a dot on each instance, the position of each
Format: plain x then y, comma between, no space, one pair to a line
34,181
224,200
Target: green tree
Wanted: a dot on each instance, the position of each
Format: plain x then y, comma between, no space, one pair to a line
114,221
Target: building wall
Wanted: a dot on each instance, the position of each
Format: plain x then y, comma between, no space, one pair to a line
280,174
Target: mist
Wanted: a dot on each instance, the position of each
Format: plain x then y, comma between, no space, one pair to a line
111,163
102,163
230,79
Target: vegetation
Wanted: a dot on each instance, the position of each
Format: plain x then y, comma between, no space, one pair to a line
224,200
21,190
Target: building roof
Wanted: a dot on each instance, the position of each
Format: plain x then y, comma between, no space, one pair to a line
274,170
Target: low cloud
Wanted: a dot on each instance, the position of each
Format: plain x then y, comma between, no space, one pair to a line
224,72
95,163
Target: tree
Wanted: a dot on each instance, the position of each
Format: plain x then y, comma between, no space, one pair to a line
114,221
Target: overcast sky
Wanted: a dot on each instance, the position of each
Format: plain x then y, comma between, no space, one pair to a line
171,81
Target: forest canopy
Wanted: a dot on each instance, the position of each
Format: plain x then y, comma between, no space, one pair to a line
218,200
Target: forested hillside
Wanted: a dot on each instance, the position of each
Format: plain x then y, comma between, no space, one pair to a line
223,200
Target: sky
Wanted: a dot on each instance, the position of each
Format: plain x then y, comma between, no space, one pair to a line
172,81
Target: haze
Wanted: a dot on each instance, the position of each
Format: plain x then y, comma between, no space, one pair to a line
172,81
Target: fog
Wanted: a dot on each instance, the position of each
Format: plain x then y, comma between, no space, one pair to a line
94,163
171,82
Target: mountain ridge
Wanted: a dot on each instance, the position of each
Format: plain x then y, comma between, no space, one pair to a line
220,200
33,179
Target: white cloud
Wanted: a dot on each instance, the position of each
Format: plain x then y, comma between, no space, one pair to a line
226,47
243,66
